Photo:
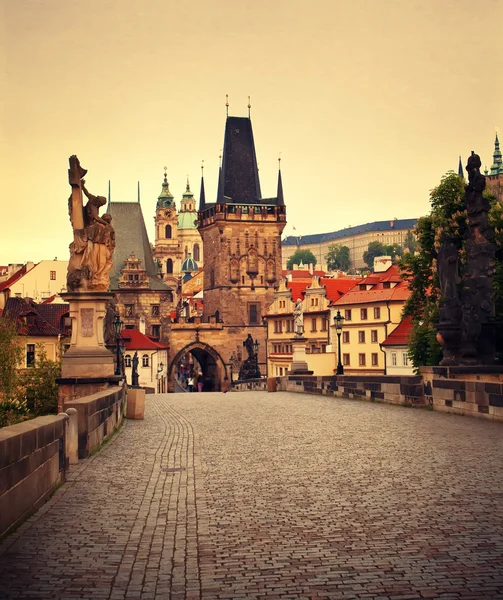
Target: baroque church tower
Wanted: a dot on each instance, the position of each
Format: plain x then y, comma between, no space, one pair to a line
167,250
241,235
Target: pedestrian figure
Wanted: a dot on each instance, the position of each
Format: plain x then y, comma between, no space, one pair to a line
190,383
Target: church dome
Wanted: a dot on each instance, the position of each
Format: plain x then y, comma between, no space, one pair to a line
165,198
189,265
187,220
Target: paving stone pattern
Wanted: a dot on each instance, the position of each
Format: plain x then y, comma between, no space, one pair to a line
256,495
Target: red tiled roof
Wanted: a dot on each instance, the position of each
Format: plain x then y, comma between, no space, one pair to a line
337,287
400,336
13,278
53,313
298,288
135,340
378,293
16,308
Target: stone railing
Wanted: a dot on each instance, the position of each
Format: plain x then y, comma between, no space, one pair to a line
391,389
32,464
98,417
246,385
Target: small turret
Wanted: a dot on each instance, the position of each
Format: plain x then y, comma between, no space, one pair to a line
497,166
165,198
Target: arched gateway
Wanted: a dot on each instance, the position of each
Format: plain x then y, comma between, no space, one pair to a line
213,368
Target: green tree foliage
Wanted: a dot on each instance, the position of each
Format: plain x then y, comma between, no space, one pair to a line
338,257
448,214
12,407
40,385
410,242
376,249
301,256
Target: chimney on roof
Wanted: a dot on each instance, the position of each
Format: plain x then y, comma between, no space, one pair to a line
29,266
310,268
382,263
289,277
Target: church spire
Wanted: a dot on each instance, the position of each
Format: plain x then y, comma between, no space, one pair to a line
497,166
460,168
280,199
165,198
202,196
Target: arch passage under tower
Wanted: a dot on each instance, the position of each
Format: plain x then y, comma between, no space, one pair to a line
214,371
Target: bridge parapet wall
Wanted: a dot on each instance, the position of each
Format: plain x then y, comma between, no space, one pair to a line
32,465
98,417
391,389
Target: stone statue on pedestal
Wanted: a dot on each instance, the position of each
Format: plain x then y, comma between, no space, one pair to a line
134,372
298,318
91,251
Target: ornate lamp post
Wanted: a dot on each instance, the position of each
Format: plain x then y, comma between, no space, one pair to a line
338,320
118,324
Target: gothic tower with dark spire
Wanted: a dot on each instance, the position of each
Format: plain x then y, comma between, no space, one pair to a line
494,176
241,235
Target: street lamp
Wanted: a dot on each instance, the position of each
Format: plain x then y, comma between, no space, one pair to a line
118,330
338,320
256,346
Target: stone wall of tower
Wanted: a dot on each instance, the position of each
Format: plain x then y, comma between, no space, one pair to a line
242,264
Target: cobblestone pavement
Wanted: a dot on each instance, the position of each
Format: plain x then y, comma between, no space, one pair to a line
256,495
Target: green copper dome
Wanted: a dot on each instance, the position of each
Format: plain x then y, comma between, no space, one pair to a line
189,265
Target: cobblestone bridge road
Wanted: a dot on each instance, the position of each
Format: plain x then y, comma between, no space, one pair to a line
256,495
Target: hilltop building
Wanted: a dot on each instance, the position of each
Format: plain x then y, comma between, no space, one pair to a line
356,239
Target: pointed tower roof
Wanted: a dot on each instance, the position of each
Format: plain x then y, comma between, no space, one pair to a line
460,168
281,200
202,195
240,180
165,198
497,166
188,195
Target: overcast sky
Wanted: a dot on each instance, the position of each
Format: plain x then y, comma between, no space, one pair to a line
368,103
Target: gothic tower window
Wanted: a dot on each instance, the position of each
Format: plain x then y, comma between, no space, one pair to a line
196,252
169,266
167,232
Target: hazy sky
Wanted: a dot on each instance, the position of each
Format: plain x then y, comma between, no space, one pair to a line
369,102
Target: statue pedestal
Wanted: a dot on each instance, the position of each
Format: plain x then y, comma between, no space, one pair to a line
299,363
87,366
87,355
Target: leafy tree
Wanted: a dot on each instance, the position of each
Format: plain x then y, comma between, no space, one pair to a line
448,214
410,242
11,354
12,405
338,257
373,250
301,256
40,384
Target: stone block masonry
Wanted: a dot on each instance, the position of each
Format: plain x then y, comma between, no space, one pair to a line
98,416
32,463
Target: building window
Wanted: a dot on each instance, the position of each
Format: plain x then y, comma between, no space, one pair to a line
155,310
196,252
375,360
347,315
361,360
167,232
53,275
373,336
361,337
345,337
128,310
393,359
127,360
156,331
169,266
144,360
254,314
30,355
405,359
377,313
386,285
278,326
345,360
363,314
324,324
323,348
288,325
313,325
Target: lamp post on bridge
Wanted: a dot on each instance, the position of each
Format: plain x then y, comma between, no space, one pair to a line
338,320
118,324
